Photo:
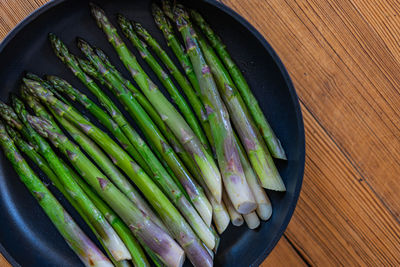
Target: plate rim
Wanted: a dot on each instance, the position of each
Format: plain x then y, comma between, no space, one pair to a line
288,81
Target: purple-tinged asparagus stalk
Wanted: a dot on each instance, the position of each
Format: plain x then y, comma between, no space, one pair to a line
83,247
166,110
264,207
222,132
257,151
167,212
268,134
236,217
109,237
139,223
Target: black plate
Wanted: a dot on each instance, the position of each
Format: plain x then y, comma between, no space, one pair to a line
27,235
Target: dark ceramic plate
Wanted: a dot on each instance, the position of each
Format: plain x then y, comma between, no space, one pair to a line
27,237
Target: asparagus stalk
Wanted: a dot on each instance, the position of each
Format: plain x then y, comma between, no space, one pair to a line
258,153
167,212
165,79
187,88
138,256
83,247
227,154
166,110
70,61
66,88
165,181
104,163
88,68
173,42
107,234
264,207
268,134
168,164
236,217
251,220
139,223
143,102
63,53
133,247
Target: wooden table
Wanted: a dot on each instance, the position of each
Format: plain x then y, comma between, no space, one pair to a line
344,59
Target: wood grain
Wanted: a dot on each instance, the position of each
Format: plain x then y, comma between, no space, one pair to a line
343,57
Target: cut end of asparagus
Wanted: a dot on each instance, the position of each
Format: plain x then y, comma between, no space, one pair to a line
247,207
264,211
252,220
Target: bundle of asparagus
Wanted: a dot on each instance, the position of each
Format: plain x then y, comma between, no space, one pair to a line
184,188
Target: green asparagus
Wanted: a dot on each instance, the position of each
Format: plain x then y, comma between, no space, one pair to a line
165,79
187,88
268,134
135,250
107,234
139,223
168,113
70,61
165,181
173,42
83,247
227,154
257,151
64,87
167,212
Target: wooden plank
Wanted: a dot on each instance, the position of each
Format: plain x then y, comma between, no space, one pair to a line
13,11
347,79
3,262
283,255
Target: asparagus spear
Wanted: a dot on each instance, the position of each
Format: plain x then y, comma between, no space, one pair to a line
62,52
144,103
135,250
264,208
108,235
103,162
166,28
139,223
168,113
173,161
166,182
64,87
187,88
165,79
268,134
236,217
227,154
167,212
83,247
258,153
88,68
